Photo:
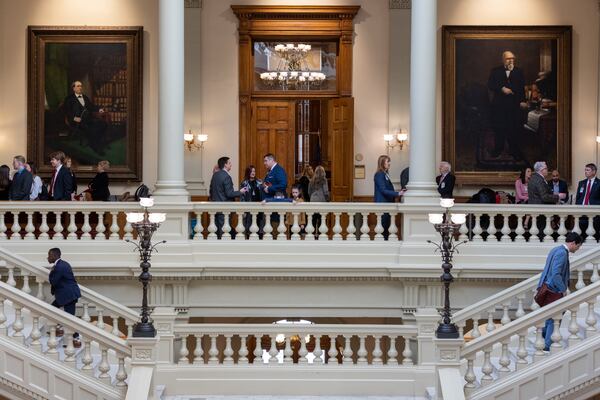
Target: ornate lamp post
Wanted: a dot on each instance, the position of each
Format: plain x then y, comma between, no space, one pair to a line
145,224
447,225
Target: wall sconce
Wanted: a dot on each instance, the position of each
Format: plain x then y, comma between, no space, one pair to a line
193,143
395,140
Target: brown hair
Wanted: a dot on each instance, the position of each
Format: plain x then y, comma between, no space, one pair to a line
104,164
58,155
380,161
308,171
20,159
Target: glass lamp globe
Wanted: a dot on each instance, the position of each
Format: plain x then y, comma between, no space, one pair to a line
436,218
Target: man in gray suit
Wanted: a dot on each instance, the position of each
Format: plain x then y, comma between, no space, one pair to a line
537,188
221,189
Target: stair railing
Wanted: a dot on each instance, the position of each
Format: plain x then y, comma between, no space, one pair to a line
27,274
522,294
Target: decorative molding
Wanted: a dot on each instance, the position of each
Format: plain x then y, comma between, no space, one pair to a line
143,354
575,389
193,3
448,355
19,388
400,4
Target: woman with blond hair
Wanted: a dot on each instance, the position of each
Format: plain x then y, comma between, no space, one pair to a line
384,189
98,187
318,190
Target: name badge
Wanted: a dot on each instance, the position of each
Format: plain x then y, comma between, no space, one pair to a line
581,190
443,185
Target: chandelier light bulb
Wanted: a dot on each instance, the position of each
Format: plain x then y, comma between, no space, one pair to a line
459,218
202,138
447,203
157,218
436,218
388,137
134,218
402,137
146,202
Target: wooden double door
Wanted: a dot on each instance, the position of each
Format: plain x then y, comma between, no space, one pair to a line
273,130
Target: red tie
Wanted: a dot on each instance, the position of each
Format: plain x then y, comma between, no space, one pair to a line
52,183
586,200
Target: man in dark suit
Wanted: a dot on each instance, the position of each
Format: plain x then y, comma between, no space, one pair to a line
61,185
558,185
20,189
507,84
221,189
445,180
79,110
588,194
276,180
537,188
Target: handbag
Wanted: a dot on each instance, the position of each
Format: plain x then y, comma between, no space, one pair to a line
546,296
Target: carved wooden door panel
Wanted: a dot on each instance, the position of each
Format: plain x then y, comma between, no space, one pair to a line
340,125
272,131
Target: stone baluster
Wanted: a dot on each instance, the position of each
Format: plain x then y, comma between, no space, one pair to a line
100,228
362,351
534,231
199,351
347,353
212,227
490,324
505,317
351,228
183,352
364,229
3,325
595,277
522,351
487,368
295,226
258,351
492,230
86,228
281,228
407,352
16,227
130,328
302,352
228,352
464,231
268,229
199,228
392,352
574,327
104,366
477,228
576,227
70,349
337,227
254,228
519,230
243,352
115,325
226,227
520,310
504,360
2,226
29,228
310,228
18,325
591,320
379,227
40,288
58,228
318,352
475,332
25,277
213,352
470,377
590,231
72,228
121,376
36,333
539,342
288,352
273,350
556,336
240,229
377,353
548,231
100,317
461,328
128,231
86,312
580,283
52,343
562,229
505,229
114,226
10,281
393,230
323,230
332,352
87,359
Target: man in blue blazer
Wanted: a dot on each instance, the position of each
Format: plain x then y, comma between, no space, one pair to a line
276,179
20,189
588,190
556,275
62,282
61,185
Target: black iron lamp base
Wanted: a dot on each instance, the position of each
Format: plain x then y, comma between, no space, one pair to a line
447,331
144,330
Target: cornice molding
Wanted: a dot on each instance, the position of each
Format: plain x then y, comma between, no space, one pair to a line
400,4
21,389
193,3
294,12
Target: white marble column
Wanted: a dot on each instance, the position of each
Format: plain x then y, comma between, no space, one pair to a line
423,50
170,185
